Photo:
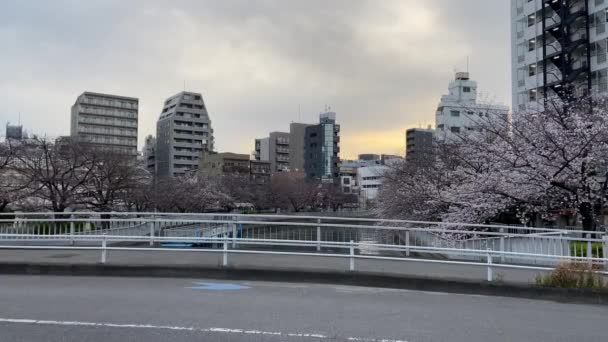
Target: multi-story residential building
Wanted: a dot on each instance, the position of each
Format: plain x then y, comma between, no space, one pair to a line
274,149
215,164
348,179
227,163
369,156
458,111
312,149
360,163
389,159
14,132
369,180
297,147
558,49
419,146
259,171
183,131
322,149
149,154
106,121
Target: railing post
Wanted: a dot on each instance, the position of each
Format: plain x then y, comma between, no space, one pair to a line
352,256
502,246
103,249
589,249
407,243
489,256
234,218
151,225
225,254
605,251
72,230
318,235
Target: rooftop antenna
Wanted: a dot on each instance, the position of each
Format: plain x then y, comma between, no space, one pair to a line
467,64
184,85
299,112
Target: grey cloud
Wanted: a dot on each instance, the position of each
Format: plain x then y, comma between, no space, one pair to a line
381,64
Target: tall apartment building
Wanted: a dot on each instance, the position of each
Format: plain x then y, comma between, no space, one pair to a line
106,121
183,131
322,149
149,154
14,132
458,111
419,146
297,151
274,149
558,49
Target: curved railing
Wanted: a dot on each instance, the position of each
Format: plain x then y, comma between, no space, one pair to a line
354,238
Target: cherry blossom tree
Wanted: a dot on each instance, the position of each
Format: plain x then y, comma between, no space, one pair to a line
536,165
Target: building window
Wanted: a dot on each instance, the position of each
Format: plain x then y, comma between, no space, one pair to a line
532,69
532,44
532,95
466,89
454,113
440,126
455,129
531,19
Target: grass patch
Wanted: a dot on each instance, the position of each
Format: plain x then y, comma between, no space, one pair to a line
579,249
573,275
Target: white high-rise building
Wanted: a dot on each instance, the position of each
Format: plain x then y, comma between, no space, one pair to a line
558,49
459,111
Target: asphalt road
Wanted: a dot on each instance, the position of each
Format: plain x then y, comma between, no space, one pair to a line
52,309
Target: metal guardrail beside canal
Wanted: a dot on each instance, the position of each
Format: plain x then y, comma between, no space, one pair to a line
489,246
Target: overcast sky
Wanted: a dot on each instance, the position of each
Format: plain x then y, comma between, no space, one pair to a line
382,65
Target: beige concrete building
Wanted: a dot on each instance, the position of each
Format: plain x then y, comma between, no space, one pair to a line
106,121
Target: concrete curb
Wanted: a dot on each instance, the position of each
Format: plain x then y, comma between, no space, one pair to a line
317,277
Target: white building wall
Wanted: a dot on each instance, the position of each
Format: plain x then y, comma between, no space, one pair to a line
369,179
458,111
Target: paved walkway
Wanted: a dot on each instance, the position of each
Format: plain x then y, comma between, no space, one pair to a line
278,262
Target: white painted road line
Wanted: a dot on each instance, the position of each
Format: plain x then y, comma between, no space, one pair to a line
193,329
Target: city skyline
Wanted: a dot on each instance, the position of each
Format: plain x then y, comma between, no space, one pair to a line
283,64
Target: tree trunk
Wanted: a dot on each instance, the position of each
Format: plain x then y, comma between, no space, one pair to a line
586,212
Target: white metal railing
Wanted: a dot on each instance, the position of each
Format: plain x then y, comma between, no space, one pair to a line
513,244
349,250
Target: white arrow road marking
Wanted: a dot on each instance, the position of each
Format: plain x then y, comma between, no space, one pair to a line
193,329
